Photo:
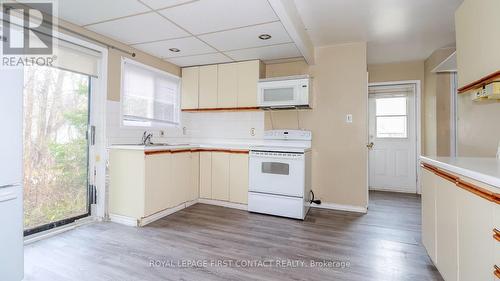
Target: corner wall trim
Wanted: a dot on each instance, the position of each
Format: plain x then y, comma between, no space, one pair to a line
340,207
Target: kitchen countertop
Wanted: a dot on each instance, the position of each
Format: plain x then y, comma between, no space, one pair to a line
180,147
486,170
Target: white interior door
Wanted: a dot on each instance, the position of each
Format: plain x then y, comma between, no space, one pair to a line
392,136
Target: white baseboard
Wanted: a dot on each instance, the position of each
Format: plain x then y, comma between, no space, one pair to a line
223,204
340,207
149,219
123,220
400,190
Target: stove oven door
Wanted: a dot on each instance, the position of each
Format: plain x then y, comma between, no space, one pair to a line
278,173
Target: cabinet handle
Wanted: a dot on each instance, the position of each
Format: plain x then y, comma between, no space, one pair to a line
497,271
496,234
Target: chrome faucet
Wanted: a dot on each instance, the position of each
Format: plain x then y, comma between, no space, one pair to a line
146,138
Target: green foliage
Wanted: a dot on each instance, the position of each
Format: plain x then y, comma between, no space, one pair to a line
64,191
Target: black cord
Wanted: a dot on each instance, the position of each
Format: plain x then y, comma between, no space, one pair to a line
313,200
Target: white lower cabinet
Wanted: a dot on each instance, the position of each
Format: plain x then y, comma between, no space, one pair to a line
458,228
195,177
496,248
143,185
220,176
238,178
429,213
158,183
224,176
181,178
206,175
446,229
475,243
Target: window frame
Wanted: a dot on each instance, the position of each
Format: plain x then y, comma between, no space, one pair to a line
152,124
392,115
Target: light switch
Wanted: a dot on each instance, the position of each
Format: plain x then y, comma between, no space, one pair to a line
348,118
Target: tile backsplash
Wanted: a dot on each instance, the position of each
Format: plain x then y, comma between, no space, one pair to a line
195,127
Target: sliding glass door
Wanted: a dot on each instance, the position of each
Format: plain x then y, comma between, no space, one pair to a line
56,121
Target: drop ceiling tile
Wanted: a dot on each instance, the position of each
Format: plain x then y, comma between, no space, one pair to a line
215,15
247,37
83,12
160,4
266,53
188,46
200,59
139,29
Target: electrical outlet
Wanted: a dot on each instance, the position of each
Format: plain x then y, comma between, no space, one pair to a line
184,131
348,118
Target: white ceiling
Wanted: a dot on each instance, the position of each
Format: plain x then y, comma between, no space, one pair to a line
214,31
396,30
205,31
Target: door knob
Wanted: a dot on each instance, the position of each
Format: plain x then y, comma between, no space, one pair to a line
370,145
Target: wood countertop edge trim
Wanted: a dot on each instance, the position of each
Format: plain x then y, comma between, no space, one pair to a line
234,151
479,83
472,188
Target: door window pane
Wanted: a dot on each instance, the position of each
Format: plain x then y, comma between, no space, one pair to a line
391,106
391,117
391,127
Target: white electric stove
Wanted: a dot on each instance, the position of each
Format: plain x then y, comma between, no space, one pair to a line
280,174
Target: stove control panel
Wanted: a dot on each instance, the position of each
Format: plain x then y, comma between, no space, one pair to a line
272,154
288,135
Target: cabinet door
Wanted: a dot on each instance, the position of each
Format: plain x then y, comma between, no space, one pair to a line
157,191
248,77
238,178
475,245
496,225
194,192
208,86
429,213
181,178
190,83
446,229
206,175
220,176
227,94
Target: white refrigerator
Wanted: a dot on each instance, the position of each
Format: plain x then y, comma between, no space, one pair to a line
11,171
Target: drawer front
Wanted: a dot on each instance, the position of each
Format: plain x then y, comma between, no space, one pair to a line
276,205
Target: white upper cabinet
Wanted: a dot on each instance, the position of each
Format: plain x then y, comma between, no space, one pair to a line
249,73
477,24
229,85
208,86
190,86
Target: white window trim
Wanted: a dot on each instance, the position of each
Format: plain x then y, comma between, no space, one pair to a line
154,125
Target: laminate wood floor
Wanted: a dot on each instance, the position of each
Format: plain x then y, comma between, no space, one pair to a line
206,242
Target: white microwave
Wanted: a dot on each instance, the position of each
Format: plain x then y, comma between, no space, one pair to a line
284,92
